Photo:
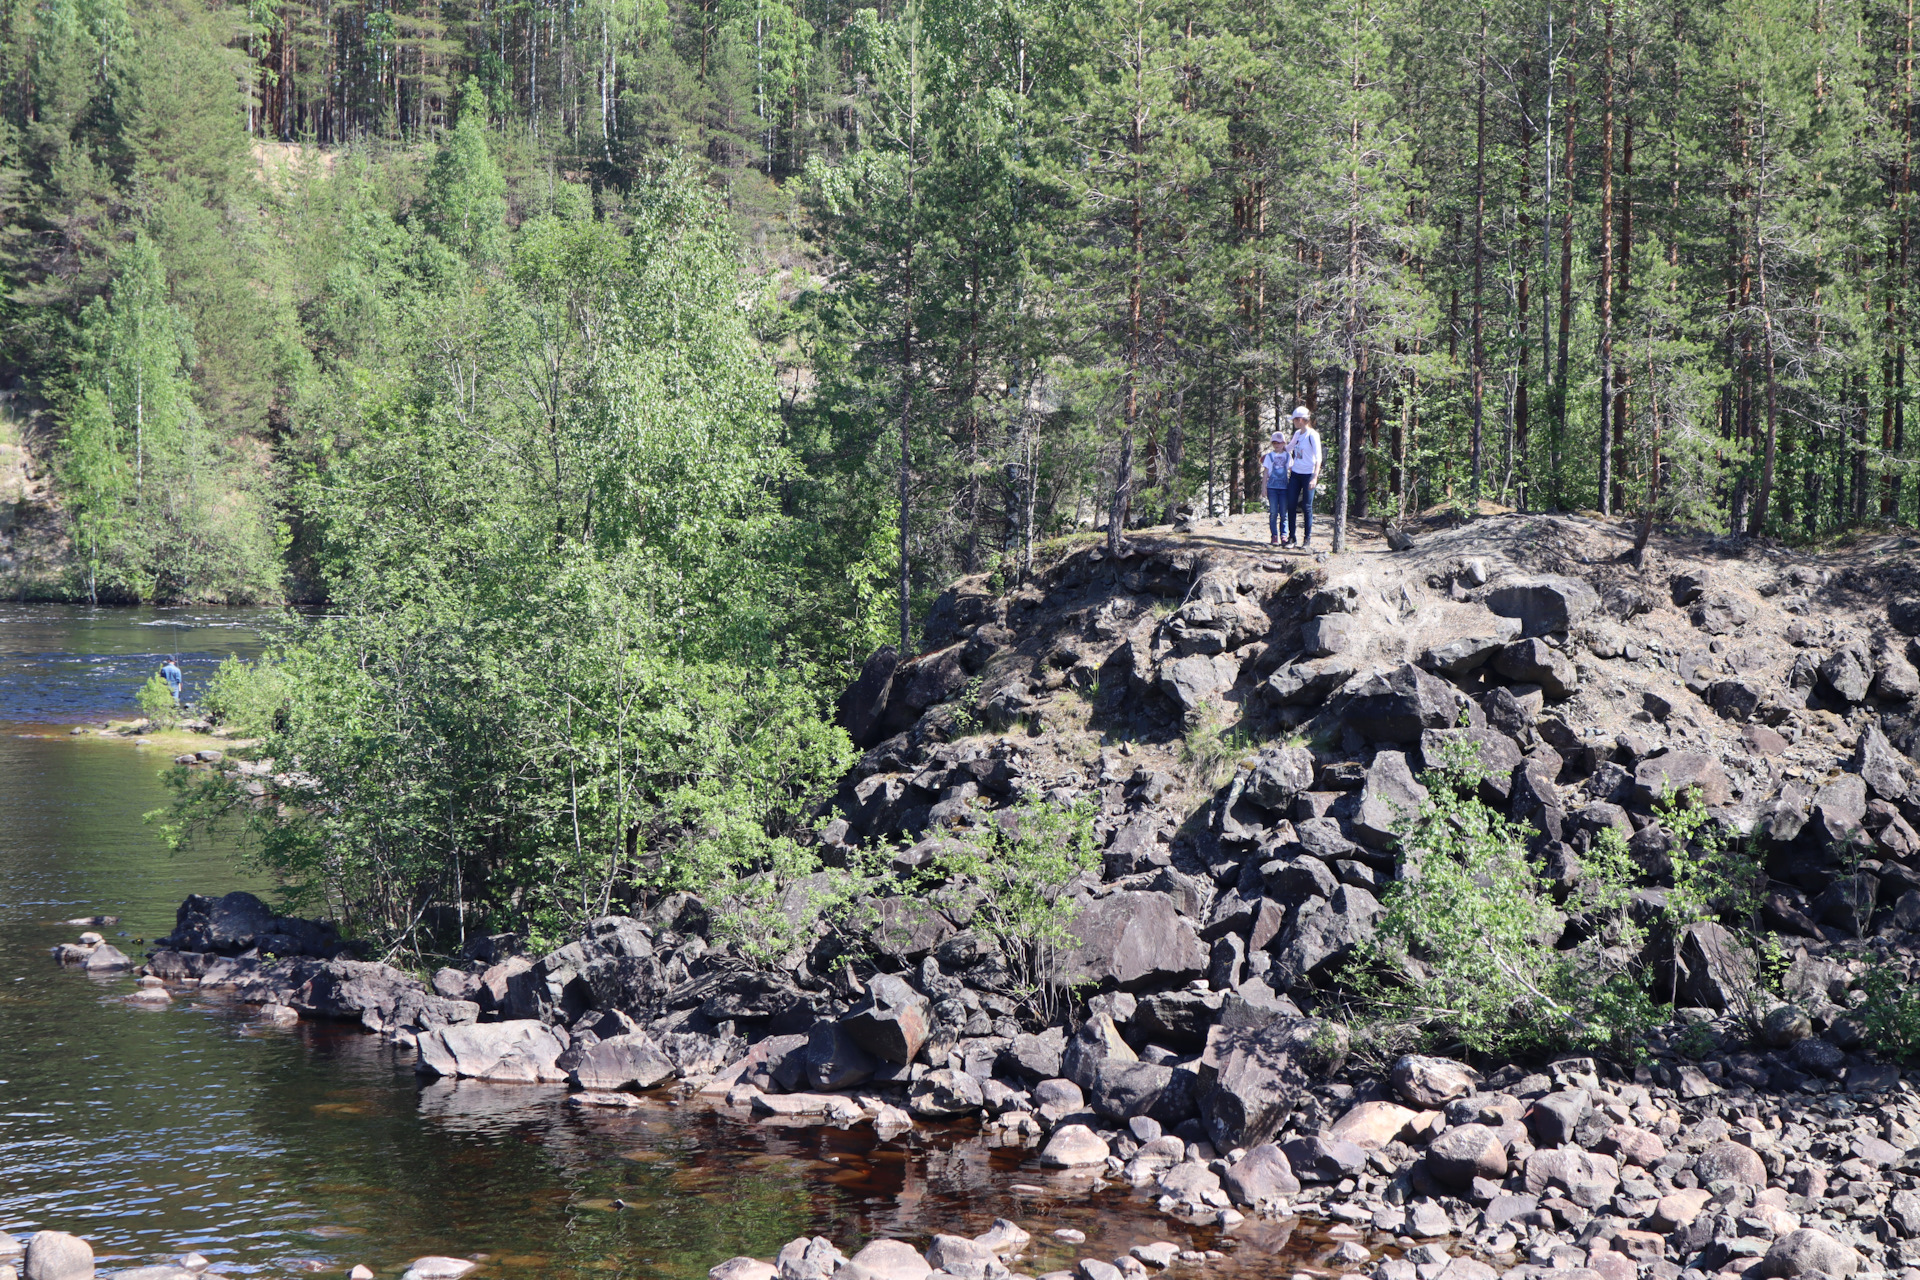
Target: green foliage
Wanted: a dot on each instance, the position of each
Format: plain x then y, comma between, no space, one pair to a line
1470,950
157,702
558,672
250,697
1022,860
1890,1013
1211,748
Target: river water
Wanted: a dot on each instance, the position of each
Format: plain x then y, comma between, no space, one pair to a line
282,1152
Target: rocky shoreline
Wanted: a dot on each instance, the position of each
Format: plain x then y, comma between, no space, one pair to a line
1203,1060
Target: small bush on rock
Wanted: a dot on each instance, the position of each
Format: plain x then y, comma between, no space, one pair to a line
1468,952
1023,860
1890,1014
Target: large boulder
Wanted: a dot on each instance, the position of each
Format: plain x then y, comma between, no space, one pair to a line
1847,673
1389,798
893,1022
834,1059
241,922
1307,683
1399,705
1194,681
1677,772
631,1061
508,1052
1121,1090
1878,765
381,998
1716,971
1807,1252
1096,1041
1279,775
862,707
1322,934
1544,605
944,1094
1839,809
1261,1177
1535,661
55,1255
1466,1152
1251,1077
1427,1083
1132,939
1470,646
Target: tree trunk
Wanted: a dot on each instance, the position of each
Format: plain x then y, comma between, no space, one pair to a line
1479,263
1566,295
1605,282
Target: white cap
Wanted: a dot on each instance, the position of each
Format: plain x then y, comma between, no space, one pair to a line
1303,412
1278,437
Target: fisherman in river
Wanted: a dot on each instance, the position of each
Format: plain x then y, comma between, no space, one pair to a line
171,674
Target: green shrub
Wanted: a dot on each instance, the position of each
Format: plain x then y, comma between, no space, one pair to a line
1890,1015
1467,952
250,697
1022,860
157,703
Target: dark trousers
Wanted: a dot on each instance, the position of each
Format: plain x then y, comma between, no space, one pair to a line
1276,501
1299,491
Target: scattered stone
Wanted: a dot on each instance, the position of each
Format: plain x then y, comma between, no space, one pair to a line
1074,1146
55,1255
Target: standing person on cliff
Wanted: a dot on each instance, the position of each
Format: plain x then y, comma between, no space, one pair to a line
1273,465
1303,477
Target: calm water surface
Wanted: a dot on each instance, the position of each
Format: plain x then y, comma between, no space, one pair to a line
291,1151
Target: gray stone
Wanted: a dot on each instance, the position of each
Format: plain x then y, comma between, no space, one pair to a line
623,1062
1539,663
1280,774
1555,1118
1074,1146
1249,1078
1388,799
892,1260
1178,1019
1839,809
1471,645
1878,765
1848,673
1733,1162
1297,878
1720,612
1194,681
1398,705
521,1052
834,1060
55,1255
1261,1177
1034,1057
893,1022
1677,772
733,1269
1464,1153
1324,1159
945,1093
105,958
1785,1026
1806,1252
1132,939
1426,1083
438,1267
1307,683
804,1259
1716,968
1323,933
1328,634
963,1258
1544,605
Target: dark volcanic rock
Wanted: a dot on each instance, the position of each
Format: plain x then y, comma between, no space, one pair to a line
1544,605
1133,939
892,1023
1249,1079
1398,705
